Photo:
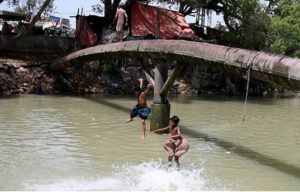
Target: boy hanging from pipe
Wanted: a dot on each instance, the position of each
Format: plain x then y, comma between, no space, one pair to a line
141,108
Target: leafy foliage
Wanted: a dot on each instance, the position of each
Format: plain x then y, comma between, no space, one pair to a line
30,6
245,22
107,7
284,29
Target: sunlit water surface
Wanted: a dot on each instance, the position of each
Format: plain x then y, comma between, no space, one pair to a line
83,143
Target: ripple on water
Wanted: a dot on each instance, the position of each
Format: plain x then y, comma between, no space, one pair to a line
66,143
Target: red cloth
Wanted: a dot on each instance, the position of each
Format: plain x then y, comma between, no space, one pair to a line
84,34
172,23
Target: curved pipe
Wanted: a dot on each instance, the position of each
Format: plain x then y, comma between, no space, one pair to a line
276,69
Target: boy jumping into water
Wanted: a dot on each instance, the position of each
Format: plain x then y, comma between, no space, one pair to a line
175,145
141,108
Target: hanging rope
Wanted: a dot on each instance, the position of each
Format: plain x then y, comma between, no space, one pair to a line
247,89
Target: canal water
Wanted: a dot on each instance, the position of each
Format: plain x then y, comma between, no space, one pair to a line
83,143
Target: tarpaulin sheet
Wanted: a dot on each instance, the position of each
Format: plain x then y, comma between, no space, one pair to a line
84,34
57,19
172,23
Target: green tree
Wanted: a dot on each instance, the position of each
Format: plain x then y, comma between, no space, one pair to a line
284,29
245,21
30,26
30,6
188,7
108,8
20,9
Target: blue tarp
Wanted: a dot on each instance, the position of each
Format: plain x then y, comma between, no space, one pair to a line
55,18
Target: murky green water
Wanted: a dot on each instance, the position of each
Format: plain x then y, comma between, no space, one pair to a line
75,143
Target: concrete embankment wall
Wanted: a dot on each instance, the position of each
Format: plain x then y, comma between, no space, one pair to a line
31,50
27,58
36,44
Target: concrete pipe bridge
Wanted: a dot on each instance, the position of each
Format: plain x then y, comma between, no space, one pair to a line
275,69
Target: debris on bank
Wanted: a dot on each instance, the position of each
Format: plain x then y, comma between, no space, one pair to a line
23,80
120,76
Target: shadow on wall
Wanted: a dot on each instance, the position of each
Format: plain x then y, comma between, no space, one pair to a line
227,145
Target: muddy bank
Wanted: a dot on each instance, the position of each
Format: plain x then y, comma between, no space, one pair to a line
119,76
22,80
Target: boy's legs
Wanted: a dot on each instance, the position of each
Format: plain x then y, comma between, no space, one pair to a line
143,113
181,148
133,114
121,36
170,159
177,162
143,128
170,148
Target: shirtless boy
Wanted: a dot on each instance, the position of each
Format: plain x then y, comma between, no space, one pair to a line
175,145
141,108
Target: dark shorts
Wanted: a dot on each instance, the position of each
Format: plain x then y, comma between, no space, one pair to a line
142,112
39,90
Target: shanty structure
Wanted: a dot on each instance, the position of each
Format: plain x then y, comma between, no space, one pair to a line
160,23
145,21
13,16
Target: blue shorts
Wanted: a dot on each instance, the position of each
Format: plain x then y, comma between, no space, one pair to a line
142,112
39,90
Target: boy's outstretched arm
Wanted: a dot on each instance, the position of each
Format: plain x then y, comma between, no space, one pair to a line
148,89
126,17
160,130
141,80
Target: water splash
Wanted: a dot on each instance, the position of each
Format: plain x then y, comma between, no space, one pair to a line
152,175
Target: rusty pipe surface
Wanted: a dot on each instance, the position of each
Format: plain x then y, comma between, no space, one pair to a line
276,69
